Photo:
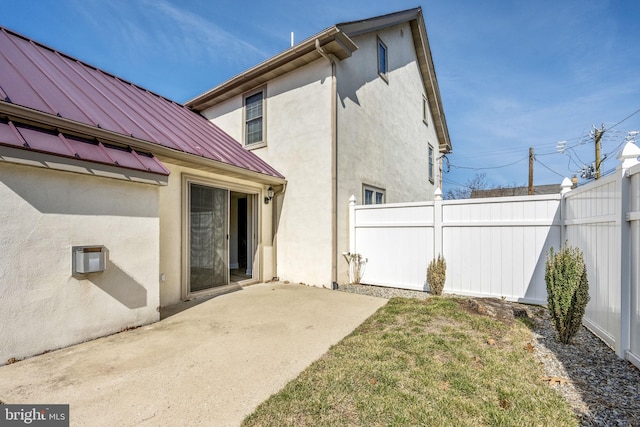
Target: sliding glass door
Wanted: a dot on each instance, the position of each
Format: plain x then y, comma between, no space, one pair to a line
208,237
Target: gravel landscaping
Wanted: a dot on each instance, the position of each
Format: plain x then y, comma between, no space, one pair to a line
602,389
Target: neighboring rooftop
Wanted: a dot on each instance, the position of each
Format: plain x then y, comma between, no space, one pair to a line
41,86
516,191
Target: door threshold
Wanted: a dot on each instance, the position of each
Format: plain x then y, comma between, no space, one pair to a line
196,299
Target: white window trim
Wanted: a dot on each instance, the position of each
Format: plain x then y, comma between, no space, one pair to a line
431,160
385,75
262,143
375,190
425,110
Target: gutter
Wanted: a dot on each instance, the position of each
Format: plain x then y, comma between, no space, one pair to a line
334,165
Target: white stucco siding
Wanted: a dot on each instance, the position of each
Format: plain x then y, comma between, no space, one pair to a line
45,213
382,139
172,227
298,134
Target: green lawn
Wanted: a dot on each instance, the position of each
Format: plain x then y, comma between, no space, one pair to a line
421,363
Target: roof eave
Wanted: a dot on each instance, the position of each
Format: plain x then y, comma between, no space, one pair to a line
332,41
28,115
427,68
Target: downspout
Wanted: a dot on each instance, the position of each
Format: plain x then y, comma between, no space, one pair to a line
274,227
334,165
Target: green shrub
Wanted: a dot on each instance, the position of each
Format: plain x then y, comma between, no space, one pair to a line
567,290
436,275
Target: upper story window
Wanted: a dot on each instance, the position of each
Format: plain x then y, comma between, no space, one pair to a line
254,119
383,60
431,171
425,110
372,195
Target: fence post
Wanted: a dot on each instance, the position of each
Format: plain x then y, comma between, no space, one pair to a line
566,188
628,157
352,224
437,223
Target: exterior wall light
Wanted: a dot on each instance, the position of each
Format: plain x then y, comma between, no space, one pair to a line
270,194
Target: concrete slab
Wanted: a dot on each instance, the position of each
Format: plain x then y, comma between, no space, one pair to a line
209,365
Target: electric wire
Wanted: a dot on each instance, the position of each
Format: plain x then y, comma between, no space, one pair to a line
489,167
569,150
625,119
548,168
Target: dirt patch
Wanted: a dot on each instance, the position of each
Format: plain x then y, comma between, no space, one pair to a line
502,310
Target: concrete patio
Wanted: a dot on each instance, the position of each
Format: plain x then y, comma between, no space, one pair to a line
210,364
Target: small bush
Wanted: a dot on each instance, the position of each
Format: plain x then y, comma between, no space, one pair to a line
567,290
436,275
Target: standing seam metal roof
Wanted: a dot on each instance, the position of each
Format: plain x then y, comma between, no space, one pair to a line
40,78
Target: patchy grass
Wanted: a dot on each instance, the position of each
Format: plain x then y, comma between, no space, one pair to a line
421,363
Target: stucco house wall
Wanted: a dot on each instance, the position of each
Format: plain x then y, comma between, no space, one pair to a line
360,129
46,212
298,134
382,138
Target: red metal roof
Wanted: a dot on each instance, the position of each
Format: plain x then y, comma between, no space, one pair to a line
38,77
54,142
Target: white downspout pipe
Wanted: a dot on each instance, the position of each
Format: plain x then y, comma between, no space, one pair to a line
334,165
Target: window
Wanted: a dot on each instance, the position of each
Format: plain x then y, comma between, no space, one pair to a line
372,195
383,64
425,110
254,119
430,164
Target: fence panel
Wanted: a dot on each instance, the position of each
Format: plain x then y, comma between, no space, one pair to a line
397,241
497,247
592,220
493,247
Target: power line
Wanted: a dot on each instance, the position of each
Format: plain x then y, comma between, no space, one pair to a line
490,167
548,168
606,136
626,118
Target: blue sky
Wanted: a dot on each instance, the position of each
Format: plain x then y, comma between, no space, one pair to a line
512,74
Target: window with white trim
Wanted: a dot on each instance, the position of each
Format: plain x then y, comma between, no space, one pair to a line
372,195
383,60
431,171
425,110
254,119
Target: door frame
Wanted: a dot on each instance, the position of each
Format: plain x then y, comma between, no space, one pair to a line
255,192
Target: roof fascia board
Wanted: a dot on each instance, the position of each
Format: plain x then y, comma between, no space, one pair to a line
357,28
425,60
332,40
21,113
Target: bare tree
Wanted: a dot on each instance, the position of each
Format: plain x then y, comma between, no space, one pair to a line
478,182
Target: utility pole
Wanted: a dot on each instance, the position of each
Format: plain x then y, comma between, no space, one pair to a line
531,158
597,136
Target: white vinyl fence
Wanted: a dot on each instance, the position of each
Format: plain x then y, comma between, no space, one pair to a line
493,247
602,219
497,247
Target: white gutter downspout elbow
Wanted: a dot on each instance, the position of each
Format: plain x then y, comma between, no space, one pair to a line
334,165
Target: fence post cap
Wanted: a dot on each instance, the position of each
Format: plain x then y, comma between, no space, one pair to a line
566,185
628,156
438,194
